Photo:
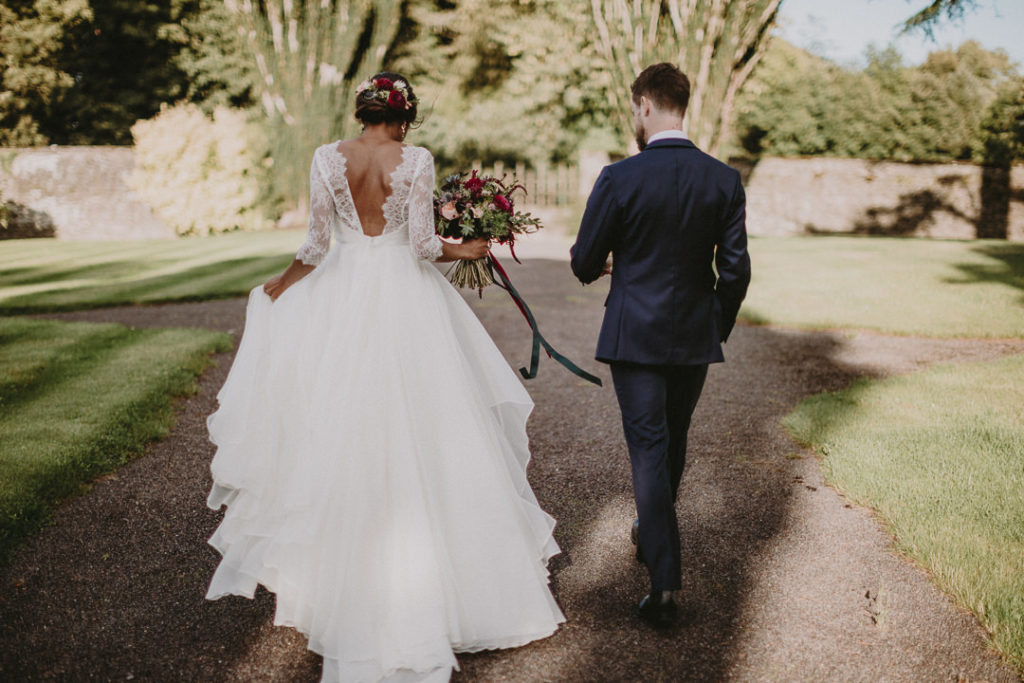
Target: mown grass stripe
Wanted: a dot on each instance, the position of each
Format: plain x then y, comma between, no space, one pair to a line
72,276
98,399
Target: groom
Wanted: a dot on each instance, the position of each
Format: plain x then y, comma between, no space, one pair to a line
665,215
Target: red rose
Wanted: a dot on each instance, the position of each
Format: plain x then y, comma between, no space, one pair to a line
384,84
503,203
396,100
474,185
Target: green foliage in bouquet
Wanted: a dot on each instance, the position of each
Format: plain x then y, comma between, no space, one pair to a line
479,207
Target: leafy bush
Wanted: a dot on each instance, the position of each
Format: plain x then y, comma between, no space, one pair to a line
18,221
200,175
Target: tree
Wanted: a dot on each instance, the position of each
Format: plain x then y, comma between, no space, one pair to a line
926,18
510,81
800,104
33,76
122,63
83,71
717,43
215,59
1002,129
309,55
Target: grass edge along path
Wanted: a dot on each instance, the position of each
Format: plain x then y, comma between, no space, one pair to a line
77,400
939,456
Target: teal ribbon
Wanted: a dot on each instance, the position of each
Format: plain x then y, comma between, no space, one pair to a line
538,338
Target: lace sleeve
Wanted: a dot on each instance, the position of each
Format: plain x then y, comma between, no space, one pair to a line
321,208
422,234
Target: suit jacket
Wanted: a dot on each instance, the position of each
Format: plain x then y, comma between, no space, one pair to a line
666,215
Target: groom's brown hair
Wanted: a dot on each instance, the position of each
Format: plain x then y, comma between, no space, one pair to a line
664,85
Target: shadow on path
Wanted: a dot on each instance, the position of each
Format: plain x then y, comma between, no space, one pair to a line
776,566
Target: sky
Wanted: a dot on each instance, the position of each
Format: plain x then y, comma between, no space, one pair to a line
842,29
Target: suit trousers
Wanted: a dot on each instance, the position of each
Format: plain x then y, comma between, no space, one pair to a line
657,402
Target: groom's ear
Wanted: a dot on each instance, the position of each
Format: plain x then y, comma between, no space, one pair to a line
645,106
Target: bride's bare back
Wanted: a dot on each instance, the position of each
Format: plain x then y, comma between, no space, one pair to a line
368,168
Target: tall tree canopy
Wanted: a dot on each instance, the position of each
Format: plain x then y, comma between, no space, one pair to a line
513,81
84,71
800,104
34,76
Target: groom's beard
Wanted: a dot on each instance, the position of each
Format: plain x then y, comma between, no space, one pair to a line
641,137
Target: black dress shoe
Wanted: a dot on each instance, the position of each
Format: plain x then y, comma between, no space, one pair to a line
658,609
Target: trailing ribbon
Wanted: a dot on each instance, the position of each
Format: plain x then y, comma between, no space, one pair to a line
538,338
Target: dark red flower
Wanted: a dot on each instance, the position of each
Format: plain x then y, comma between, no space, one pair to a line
384,84
474,185
503,203
396,100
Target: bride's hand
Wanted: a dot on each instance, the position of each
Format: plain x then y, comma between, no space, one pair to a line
274,287
475,249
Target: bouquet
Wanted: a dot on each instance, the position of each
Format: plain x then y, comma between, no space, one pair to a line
469,206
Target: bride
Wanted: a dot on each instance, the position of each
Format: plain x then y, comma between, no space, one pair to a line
371,439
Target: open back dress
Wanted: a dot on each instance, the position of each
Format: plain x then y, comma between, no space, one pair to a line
372,452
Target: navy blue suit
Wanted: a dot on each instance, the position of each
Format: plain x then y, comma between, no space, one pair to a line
671,217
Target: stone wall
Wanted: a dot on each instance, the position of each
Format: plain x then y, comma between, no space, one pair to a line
80,193
821,195
75,193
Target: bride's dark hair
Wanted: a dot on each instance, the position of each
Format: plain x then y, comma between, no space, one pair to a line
372,110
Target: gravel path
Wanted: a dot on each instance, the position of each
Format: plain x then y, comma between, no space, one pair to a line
783,579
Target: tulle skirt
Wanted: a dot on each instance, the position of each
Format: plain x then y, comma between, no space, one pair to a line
371,452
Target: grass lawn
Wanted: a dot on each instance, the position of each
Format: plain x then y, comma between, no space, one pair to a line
77,400
905,286
940,456
40,275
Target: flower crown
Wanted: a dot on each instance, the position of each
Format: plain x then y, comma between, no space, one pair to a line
396,94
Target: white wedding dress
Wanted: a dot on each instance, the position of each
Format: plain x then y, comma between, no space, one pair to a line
372,451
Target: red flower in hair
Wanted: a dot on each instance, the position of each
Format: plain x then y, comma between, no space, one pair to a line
503,203
384,84
396,100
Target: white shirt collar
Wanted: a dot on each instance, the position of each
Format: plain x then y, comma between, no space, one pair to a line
672,134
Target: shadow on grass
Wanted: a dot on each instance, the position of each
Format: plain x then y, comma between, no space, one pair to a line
1006,266
234,277
36,275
